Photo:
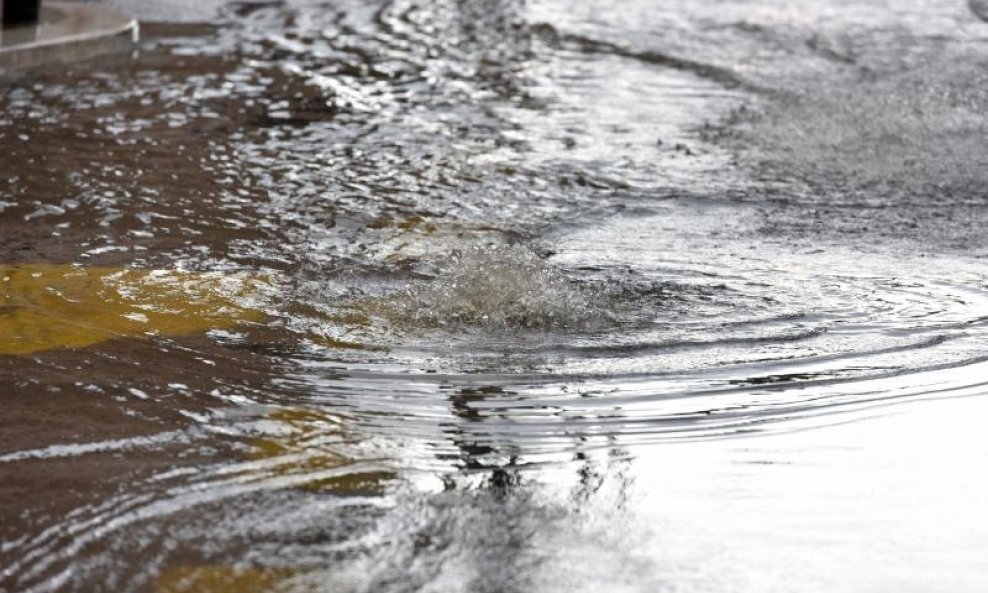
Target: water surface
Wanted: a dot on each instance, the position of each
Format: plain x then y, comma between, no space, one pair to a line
499,296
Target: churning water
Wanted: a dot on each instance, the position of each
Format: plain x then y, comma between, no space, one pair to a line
500,296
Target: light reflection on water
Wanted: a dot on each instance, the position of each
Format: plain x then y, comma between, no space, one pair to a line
499,298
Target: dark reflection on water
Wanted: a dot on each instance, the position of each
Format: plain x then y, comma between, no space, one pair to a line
498,296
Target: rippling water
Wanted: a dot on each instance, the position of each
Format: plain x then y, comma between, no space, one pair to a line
494,296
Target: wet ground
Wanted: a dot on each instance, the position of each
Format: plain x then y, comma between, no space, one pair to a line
495,296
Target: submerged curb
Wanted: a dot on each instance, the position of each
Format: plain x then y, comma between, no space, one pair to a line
67,32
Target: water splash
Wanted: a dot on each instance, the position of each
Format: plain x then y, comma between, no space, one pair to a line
502,287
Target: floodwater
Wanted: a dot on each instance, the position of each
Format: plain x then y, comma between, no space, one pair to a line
496,296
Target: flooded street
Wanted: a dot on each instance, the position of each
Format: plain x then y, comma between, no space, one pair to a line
499,296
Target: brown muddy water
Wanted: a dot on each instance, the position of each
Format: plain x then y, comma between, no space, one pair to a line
500,296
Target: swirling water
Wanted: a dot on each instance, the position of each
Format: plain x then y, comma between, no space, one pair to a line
485,295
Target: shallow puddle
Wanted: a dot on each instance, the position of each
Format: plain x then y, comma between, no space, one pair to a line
498,297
